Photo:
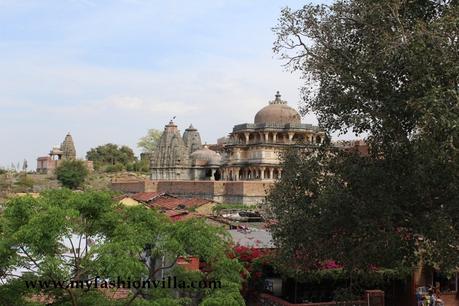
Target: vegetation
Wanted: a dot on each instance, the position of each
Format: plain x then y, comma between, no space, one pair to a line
24,183
142,165
111,157
68,236
387,69
148,142
71,173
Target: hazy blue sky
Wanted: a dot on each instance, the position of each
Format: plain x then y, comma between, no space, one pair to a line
107,71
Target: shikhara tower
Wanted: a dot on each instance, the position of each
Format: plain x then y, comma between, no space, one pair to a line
250,153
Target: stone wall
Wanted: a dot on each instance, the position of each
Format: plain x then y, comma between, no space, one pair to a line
241,192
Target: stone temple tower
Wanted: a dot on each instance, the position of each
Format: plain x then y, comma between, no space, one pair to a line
170,160
68,148
192,139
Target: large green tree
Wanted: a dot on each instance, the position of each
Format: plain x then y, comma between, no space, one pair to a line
149,142
389,70
110,155
67,236
72,173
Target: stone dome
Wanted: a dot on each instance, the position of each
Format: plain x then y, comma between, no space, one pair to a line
277,112
206,154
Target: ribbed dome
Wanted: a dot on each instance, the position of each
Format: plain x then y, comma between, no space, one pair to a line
277,112
206,154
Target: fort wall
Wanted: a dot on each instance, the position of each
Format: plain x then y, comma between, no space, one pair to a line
237,192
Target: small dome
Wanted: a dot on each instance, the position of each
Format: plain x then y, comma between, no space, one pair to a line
206,154
277,112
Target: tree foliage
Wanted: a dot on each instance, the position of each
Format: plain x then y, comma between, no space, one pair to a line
148,142
68,236
72,173
388,69
111,155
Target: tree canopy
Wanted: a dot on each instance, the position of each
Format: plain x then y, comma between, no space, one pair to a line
148,142
71,173
111,155
68,236
389,70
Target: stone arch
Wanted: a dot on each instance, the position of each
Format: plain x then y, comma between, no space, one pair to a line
240,174
217,175
266,173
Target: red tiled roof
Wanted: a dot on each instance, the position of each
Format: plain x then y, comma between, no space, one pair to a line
165,202
175,213
146,196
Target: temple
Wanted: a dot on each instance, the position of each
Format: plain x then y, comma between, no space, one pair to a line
251,152
183,157
66,151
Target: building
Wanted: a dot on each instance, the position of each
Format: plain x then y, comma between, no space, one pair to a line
251,152
66,151
253,149
180,157
240,168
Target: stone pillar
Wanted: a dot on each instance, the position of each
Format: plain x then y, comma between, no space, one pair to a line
290,137
271,173
266,137
246,134
262,173
212,174
274,137
280,173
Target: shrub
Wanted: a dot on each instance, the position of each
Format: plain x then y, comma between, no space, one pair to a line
71,173
114,168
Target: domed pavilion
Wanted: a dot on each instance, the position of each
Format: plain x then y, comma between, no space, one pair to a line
253,149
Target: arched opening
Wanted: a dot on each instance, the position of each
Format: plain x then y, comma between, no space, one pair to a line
251,138
297,138
318,139
249,174
217,175
270,137
266,174
208,173
275,174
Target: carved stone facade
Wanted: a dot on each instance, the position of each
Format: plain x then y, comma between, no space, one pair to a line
252,151
183,157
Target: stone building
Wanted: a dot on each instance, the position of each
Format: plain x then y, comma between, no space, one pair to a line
251,152
183,157
66,151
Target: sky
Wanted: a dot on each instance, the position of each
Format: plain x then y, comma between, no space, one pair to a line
108,70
